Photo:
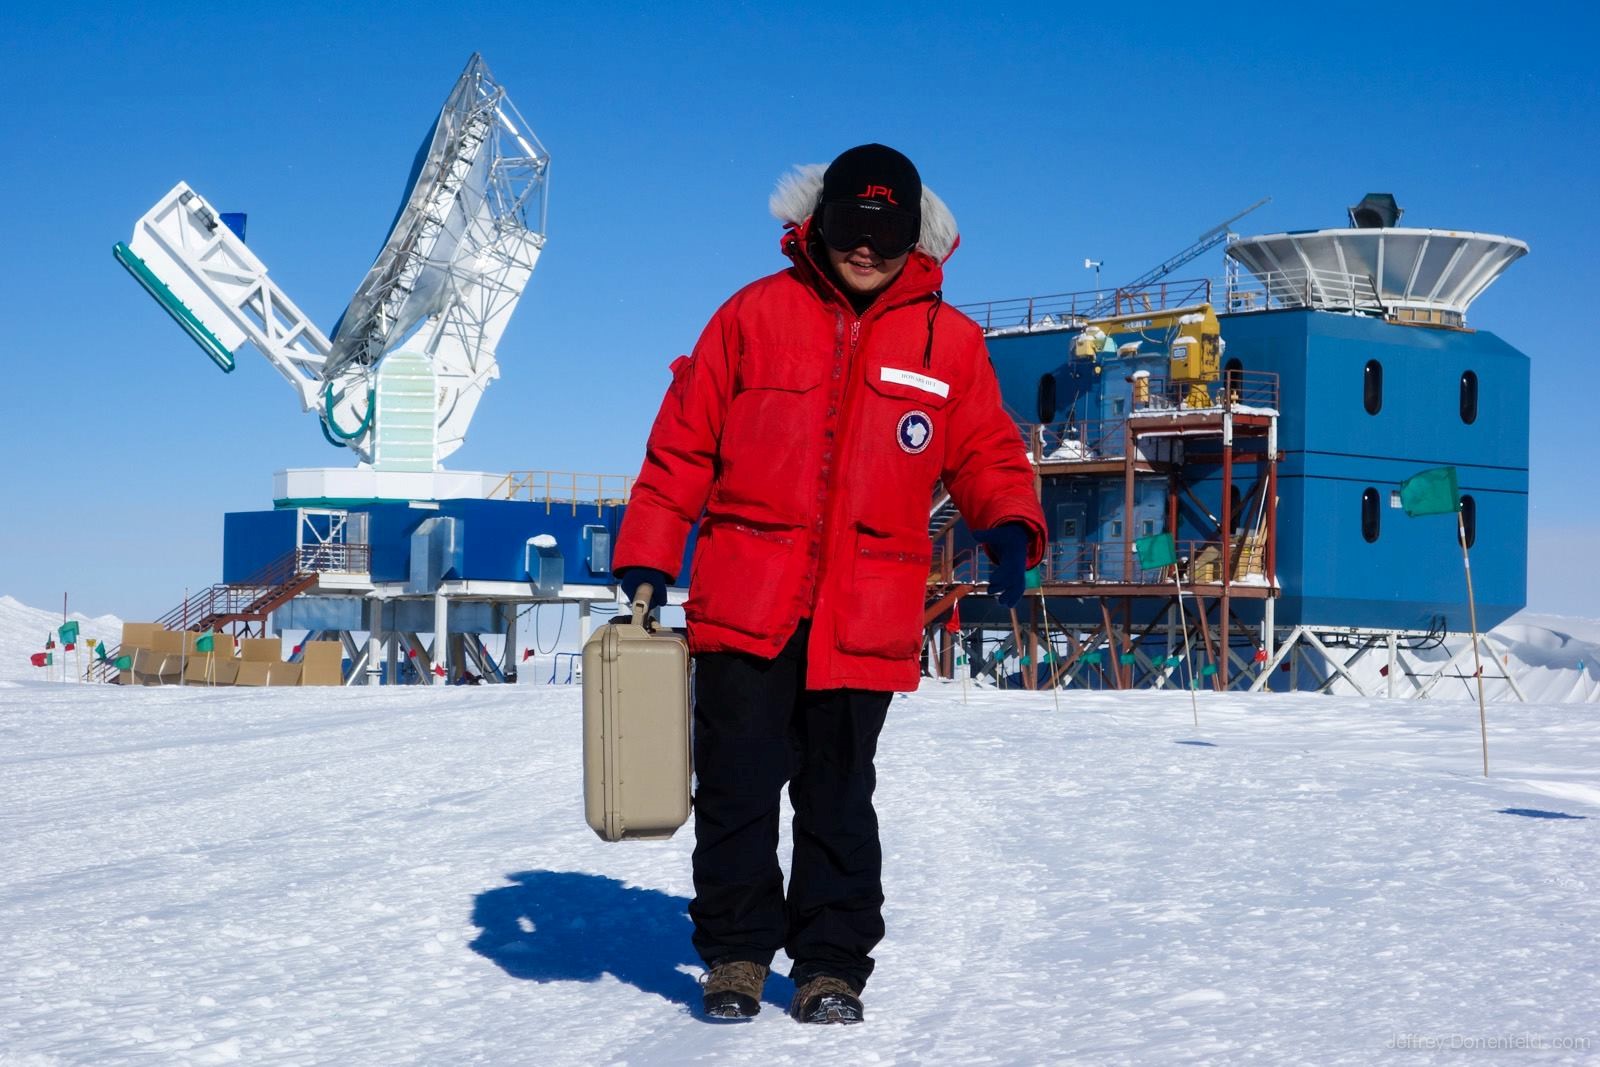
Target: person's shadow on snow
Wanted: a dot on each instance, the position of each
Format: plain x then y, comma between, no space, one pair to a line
563,926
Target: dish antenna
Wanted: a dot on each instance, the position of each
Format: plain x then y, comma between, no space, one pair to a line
410,357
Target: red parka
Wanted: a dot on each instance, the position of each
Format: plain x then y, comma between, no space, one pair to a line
806,441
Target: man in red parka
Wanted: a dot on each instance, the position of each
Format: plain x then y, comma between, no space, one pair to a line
805,436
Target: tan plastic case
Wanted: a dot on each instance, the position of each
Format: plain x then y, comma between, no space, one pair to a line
636,761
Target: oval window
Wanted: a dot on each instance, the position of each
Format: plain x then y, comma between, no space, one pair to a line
1370,515
1372,387
1047,398
1469,520
1469,397
1233,379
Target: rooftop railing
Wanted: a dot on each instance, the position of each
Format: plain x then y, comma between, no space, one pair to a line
565,489
1298,288
1060,311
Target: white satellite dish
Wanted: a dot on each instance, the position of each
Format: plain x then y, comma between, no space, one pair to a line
1429,276
444,285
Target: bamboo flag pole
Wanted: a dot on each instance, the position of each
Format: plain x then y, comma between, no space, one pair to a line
1437,491
1056,673
1016,640
1477,663
964,654
1183,621
183,639
1050,655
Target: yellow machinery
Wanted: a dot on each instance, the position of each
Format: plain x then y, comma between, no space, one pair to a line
1193,336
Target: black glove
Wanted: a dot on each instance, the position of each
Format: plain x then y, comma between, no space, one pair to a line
631,578
1008,549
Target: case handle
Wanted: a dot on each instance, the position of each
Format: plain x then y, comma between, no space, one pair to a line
641,604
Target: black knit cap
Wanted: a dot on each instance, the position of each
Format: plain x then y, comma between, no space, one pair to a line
873,173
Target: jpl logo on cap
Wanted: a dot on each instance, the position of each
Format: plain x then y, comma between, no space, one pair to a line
873,192
915,432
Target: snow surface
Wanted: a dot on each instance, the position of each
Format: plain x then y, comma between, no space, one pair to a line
404,876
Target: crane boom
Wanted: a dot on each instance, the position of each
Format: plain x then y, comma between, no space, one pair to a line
1203,244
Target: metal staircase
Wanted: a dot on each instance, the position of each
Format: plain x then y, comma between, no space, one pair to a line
258,596
942,515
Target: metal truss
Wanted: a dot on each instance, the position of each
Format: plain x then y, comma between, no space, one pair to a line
1182,648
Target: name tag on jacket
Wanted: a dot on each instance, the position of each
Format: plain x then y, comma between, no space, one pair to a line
916,381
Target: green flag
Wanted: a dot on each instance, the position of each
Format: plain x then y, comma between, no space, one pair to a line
1156,551
1432,492
68,632
100,651
205,642
123,663
1092,656
1031,579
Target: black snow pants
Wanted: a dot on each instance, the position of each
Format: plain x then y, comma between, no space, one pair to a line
756,727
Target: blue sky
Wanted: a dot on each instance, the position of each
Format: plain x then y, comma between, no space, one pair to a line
1054,132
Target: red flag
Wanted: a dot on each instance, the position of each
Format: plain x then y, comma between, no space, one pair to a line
411,653
38,659
296,651
438,670
68,647
526,653
954,625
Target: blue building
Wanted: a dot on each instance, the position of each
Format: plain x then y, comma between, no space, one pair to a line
1342,366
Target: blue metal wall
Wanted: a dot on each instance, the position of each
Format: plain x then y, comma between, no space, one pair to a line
254,540
1335,450
494,546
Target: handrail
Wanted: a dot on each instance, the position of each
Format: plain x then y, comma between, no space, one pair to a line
1241,294
1233,389
1057,311
1076,440
1300,288
1104,563
567,488
1097,440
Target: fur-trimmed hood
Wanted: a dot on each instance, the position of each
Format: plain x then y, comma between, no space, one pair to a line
799,192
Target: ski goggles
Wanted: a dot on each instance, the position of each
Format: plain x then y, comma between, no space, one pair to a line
889,232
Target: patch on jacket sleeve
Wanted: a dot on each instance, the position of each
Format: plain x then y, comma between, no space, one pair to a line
914,432
926,383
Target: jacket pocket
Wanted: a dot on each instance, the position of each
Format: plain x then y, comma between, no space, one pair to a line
889,581
768,444
743,577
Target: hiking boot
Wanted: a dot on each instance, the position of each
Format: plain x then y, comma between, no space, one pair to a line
826,999
732,989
